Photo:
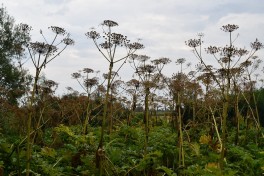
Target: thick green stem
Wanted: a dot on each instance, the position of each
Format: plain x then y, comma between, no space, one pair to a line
180,134
225,93
29,121
146,118
216,129
133,108
110,117
194,106
86,121
237,119
38,124
224,128
100,146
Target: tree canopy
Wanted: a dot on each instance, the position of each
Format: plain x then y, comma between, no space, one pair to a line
12,39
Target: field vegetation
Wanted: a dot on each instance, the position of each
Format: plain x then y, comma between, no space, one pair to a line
205,121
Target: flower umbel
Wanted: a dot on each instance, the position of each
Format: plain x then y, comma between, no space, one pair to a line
193,43
76,75
88,70
212,49
43,48
90,82
106,45
93,35
110,23
180,61
162,60
68,41
118,39
256,45
142,58
58,30
230,27
135,46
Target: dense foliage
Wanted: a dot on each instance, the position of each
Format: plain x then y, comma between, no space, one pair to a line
13,79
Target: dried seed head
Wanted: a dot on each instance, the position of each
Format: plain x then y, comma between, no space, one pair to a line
58,30
191,73
208,68
180,61
76,75
212,49
222,72
89,83
256,45
93,35
178,76
253,57
109,23
133,56
193,43
165,60
105,75
162,60
259,61
69,88
42,48
101,88
133,82
236,70
199,67
116,83
150,68
206,78
118,39
149,84
241,52
106,45
146,69
225,59
68,41
143,58
88,70
246,64
228,51
135,46
229,27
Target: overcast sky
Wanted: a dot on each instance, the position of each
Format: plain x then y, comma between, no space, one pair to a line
163,26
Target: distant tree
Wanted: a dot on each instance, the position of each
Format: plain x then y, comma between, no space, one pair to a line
12,77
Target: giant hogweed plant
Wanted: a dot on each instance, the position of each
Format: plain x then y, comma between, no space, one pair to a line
132,89
42,53
88,84
149,77
108,44
229,59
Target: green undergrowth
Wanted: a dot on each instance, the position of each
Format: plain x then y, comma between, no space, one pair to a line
65,151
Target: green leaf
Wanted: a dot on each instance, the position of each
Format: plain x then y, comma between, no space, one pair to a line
46,151
168,171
